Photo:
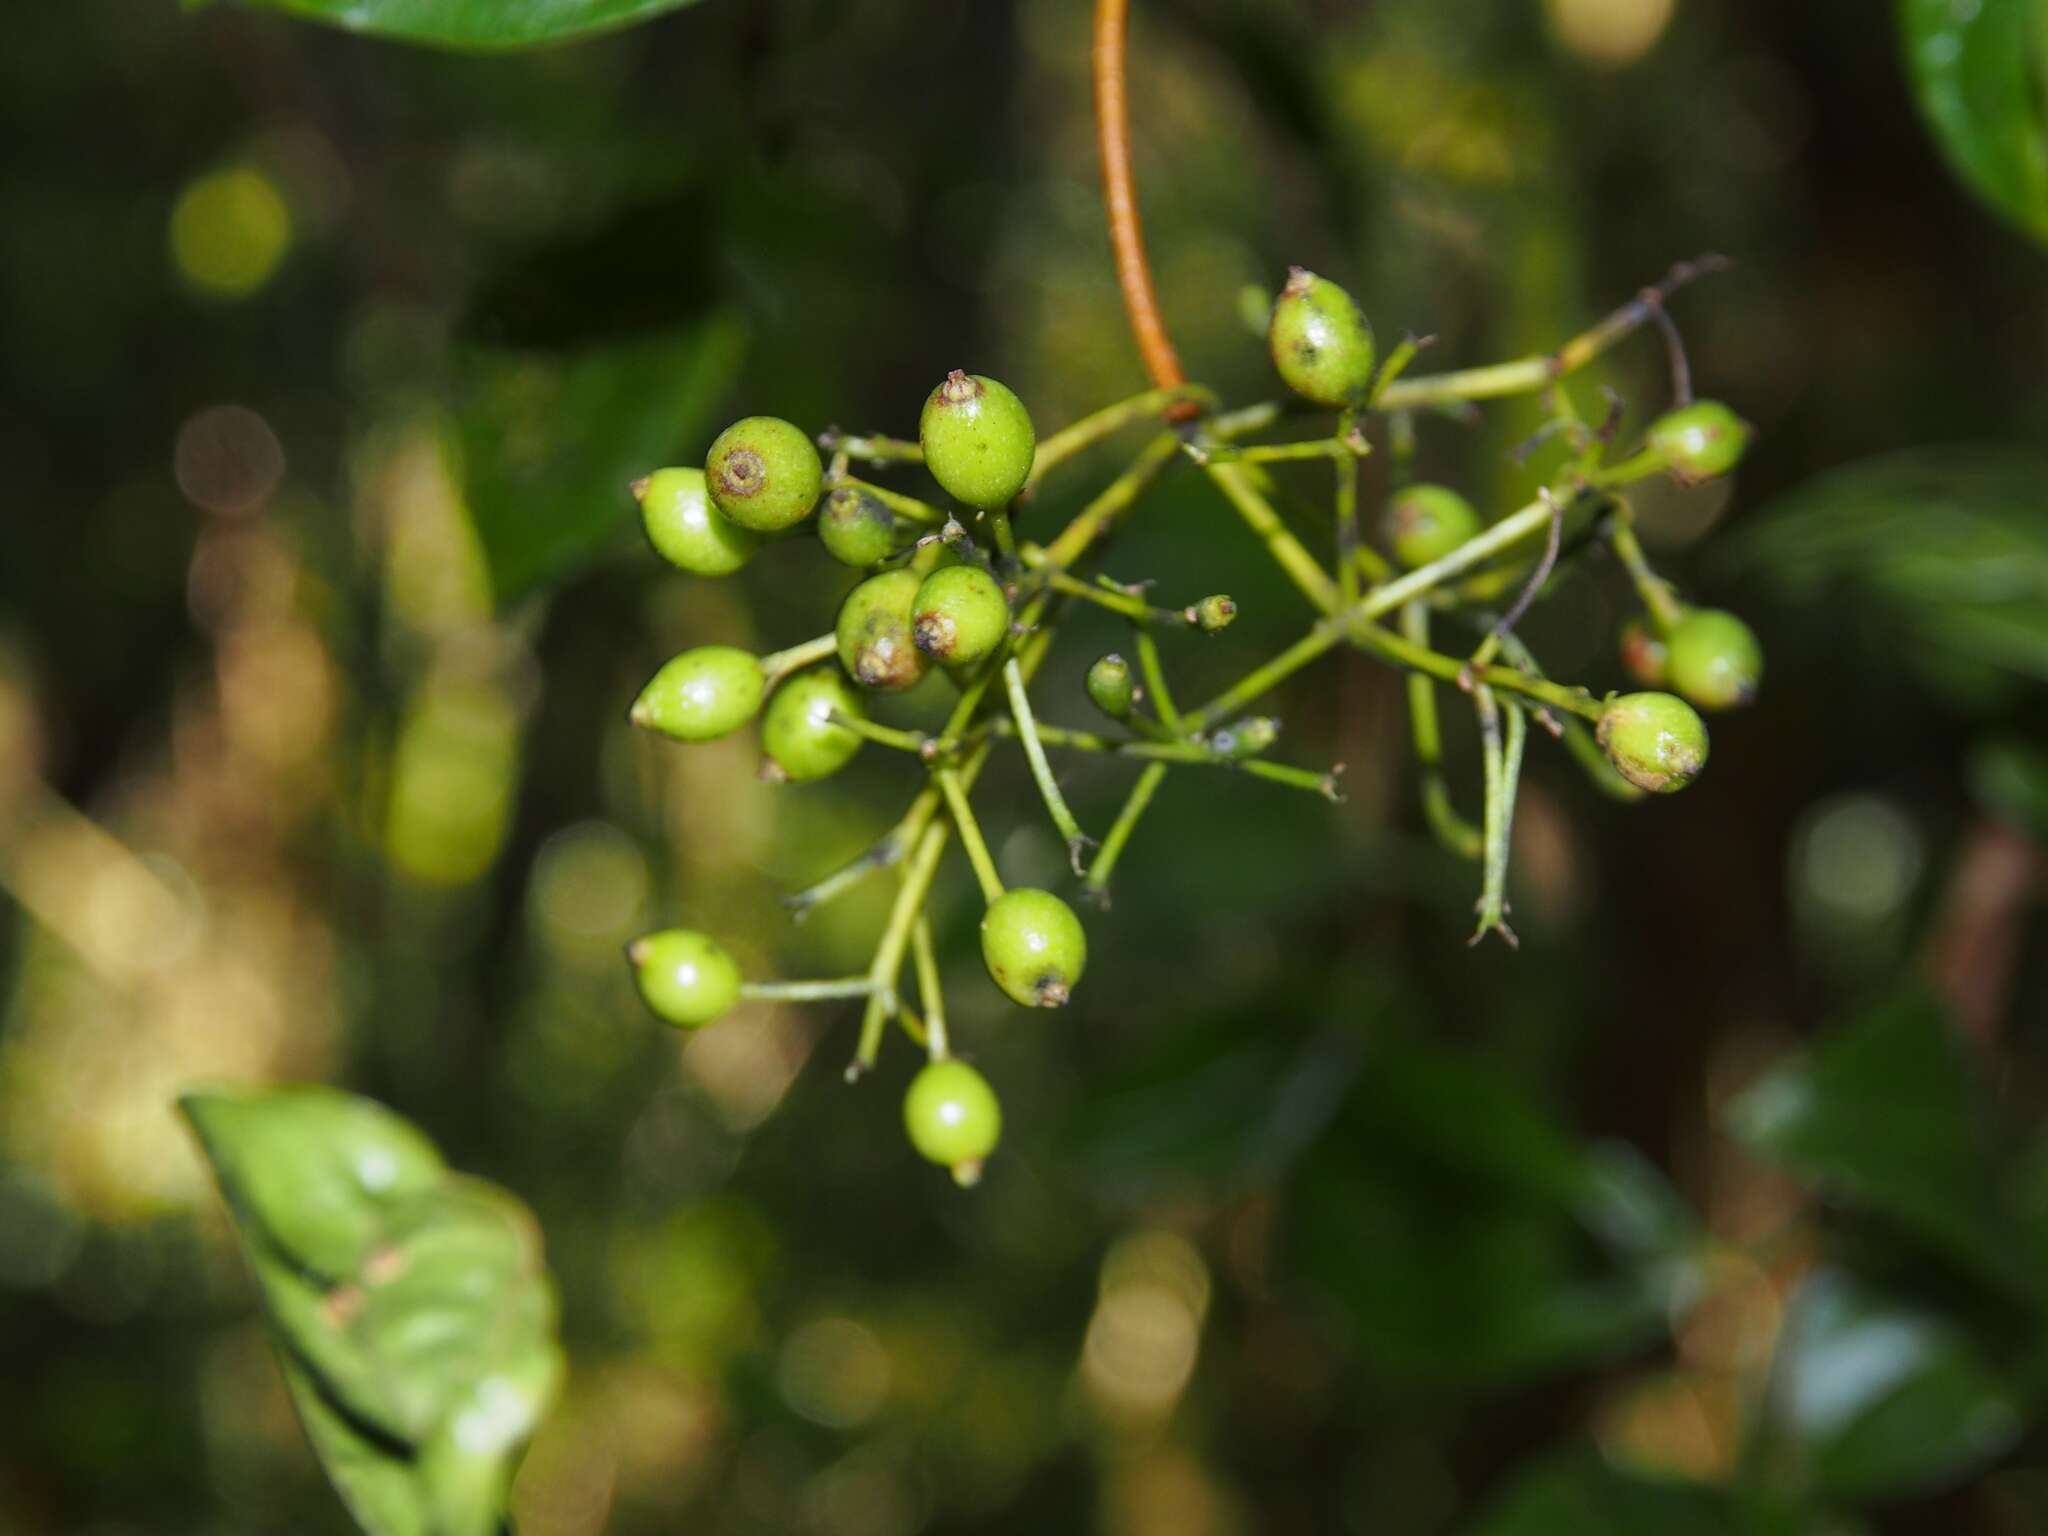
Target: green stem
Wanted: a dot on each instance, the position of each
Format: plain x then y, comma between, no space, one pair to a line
1131,607
808,991
1234,481
1005,538
1659,599
872,448
903,506
970,835
1503,777
883,735
880,854
1092,429
777,665
1097,884
1154,676
1100,515
1324,784
1041,770
1349,543
910,898
1449,828
925,959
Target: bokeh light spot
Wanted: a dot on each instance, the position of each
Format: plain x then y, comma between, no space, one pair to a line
227,460
1612,34
229,231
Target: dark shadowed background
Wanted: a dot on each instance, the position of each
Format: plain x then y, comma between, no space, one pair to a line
1721,1206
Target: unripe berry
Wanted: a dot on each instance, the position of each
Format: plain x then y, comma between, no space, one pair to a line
875,643
763,473
1111,687
798,734
1654,740
1213,613
953,1118
1699,441
1715,659
856,529
1644,656
959,615
978,439
702,694
686,529
1034,946
1426,522
1245,738
1320,340
687,978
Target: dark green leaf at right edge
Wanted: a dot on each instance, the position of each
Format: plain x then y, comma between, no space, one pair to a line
415,1322
1979,70
1887,1114
476,26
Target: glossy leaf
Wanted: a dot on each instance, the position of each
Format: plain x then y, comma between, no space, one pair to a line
547,443
1940,555
1468,1238
420,1349
476,26
1887,1114
1883,1399
1979,70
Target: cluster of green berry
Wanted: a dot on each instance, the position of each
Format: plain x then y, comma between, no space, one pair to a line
980,609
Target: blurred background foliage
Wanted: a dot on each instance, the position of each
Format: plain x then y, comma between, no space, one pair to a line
1720,1207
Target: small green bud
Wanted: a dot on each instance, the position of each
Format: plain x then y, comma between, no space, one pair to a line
1320,340
856,529
1654,740
1111,687
959,615
1426,522
1644,656
953,1118
764,474
1701,441
1213,613
1716,661
686,529
1035,947
1245,738
875,642
687,978
798,734
702,694
978,440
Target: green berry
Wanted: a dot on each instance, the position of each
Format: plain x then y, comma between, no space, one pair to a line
978,441
875,642
959,615
686,978
1699,441
686,529
856,529
1427,522
797,730
1034,946
1715,659
763,473
1654,740
1245,738
1321,342
953,1117
1213,613
1111,687
1644,656
701,694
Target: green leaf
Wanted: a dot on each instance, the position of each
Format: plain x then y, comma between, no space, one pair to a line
1468,1239
1940,554
1577,1493
410,1306
1978,70
476,26
1887,1113
2010,780
1884,1399
546,444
